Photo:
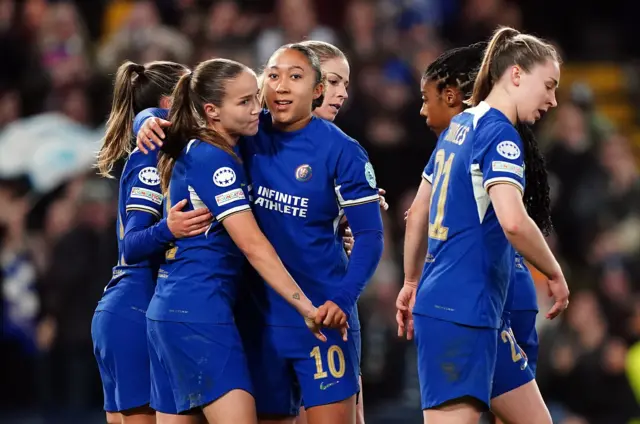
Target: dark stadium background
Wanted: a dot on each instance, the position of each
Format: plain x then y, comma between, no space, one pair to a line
57,219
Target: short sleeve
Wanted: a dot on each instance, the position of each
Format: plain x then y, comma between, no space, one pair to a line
217,181
143,191
355,178
427,174
502,158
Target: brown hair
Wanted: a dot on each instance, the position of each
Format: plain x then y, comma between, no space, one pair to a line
506,48
137,87
206,84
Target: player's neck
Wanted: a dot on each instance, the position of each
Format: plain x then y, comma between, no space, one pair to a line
232,140
292,126
501,101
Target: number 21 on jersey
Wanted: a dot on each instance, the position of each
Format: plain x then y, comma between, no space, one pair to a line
442,166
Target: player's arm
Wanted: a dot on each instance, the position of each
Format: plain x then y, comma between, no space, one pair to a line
145,236
521,230
218,179
244,230
357,194
145,233
147,128
415,239
502,167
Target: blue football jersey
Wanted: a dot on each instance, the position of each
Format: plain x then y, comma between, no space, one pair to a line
469,260
198,282
131,286
301,183
525,297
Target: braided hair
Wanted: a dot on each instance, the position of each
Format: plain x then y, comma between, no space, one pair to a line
536,193
458,68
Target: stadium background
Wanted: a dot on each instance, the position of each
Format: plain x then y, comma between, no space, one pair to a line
57,219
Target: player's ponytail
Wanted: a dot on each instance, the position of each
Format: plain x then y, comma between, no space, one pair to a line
117,140
509,47
486,78
205,85
182,117
137,87
536,194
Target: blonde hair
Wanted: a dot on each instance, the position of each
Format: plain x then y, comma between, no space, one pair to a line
506,48
325,51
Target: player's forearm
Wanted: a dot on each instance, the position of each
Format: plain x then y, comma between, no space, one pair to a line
364,259
527,239
141,117
141,241
415,243
265,260
366,224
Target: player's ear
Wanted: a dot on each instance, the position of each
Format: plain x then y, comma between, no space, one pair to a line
212,111
452,97
165,102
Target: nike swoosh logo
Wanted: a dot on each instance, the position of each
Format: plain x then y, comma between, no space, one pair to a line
326,386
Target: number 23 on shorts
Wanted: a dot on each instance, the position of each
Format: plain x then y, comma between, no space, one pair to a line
516,352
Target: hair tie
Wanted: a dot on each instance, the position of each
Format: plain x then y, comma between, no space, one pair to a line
138,69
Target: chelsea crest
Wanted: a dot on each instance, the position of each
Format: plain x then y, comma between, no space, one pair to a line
303,173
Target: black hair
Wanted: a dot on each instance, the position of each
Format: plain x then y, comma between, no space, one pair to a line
536,197
314,61
456,68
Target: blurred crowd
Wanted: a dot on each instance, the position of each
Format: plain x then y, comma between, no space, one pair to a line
57,220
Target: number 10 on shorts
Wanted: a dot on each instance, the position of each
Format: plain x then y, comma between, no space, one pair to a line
336,370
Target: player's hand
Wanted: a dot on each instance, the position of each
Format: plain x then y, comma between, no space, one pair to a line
404,304
330,315
151,134
558,289
188,224
348,241
383,202
310,320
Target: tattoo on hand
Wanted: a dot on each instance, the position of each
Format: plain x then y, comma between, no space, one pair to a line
296,296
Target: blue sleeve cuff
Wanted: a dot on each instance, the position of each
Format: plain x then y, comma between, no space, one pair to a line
345,301
164,234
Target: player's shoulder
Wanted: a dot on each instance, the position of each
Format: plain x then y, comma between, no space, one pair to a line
333,138
203,156
201,151
482,117
494,126
143,166
137,158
